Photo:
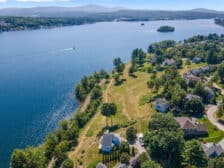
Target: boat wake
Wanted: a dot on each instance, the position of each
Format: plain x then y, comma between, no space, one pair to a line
67,49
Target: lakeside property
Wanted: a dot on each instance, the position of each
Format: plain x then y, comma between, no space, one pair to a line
167,77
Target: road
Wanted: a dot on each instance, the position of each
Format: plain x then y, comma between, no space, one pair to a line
219,88
211,111
212,116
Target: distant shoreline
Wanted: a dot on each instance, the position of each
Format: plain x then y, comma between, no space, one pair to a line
78,22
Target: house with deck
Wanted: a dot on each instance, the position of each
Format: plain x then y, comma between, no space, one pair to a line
108,141
191,127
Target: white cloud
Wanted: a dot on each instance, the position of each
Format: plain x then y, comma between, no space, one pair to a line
2,1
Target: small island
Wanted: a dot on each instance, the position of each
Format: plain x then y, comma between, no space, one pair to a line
166,29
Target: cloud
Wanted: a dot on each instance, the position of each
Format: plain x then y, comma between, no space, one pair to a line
2,1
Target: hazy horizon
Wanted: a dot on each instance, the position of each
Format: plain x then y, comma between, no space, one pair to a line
134,4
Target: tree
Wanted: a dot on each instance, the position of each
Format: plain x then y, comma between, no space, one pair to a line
108,110
68,163
124,148
165,140
131,134
119,65
150,164
221,72
117,79
217,162
50,143
213,57
220,111
28,158
131,71
177,95
60,152
64,125
96,92
125,158
202,92
138,57
193,155
194,106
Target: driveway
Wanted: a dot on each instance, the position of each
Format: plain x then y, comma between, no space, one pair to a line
211,110
140,149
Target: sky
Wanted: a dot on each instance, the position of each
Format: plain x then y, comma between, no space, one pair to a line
138,4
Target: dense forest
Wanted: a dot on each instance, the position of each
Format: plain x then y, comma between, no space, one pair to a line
23,23
52,19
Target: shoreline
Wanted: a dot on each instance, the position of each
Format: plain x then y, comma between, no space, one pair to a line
91,23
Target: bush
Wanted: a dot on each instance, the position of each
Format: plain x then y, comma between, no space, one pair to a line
125,158
131,134
68,163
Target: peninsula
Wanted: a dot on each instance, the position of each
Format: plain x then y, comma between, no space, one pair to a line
162,109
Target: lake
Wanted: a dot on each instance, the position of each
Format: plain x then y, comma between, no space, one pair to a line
39,70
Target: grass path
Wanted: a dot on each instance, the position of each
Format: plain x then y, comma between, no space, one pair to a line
126,96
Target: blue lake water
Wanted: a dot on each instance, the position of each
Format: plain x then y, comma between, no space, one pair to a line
39,69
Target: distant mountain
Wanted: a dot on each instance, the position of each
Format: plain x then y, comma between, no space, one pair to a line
203,10
58,11
111,13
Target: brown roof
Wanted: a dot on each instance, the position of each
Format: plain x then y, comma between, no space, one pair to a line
190,123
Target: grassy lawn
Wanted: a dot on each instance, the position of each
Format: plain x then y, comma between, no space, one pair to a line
215,135
127,97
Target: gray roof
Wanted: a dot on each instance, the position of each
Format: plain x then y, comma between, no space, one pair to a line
212,149
198,71
162,101
101,165
192,96
107,140
169,61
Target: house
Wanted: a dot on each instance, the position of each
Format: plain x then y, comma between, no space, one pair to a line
196,60
212,150
162,105
101,165
108,141
191,127
199,71
191,96
190,78
152,60
168,62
